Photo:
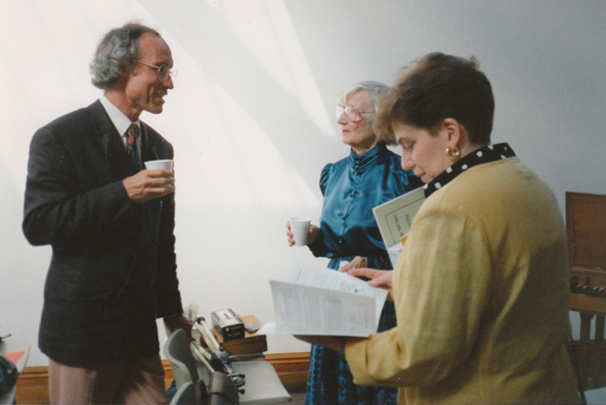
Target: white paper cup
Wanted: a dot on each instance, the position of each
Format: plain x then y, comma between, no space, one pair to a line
300,229
163,164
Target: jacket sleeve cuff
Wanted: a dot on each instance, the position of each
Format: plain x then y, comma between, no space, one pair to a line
355,354
318,248
169,306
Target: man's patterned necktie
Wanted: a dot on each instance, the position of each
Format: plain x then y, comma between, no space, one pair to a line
131,145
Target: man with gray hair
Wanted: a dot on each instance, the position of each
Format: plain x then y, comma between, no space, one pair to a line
110,225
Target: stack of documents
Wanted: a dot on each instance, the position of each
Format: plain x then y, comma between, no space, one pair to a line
319,301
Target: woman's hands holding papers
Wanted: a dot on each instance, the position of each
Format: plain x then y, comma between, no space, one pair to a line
378,278
356,263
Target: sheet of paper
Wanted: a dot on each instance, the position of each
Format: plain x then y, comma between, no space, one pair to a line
14,356
320,301
395,217
317,276
304,310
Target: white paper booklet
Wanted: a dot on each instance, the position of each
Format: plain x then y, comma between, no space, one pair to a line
394,218
319,301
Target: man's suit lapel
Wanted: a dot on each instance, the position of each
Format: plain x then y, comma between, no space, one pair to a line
148,149
149,152
118,162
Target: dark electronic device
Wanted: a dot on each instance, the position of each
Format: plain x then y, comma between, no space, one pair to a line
252,327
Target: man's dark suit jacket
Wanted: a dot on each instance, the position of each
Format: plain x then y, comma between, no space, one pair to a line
113,268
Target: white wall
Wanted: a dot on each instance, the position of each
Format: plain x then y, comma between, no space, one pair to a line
251,115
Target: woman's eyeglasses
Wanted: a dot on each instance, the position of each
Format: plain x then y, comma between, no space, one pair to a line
352,113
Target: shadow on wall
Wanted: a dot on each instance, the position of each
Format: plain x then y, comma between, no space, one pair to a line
263,73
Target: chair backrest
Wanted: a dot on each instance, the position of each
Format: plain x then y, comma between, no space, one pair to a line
177,350
586,229
186,394
586,233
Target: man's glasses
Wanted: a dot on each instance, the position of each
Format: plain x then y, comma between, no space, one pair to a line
163,72
352,113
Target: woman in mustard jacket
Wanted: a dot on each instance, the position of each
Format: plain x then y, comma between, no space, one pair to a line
481,287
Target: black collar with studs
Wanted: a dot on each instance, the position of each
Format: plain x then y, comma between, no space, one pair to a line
486,154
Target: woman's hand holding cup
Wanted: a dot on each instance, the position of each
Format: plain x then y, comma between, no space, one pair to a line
299,232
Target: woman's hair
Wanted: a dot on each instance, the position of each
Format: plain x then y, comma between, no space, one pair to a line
117,51
374,89
434,88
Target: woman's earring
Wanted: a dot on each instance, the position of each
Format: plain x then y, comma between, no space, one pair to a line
453,153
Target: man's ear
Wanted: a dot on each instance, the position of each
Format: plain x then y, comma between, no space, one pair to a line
124,71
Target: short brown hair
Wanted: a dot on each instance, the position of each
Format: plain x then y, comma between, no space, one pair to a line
434,88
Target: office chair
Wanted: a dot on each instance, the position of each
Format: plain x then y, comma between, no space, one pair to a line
11,345
263,386
178,353
186,394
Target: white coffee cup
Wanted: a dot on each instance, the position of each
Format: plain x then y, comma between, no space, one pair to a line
162,164
300,229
